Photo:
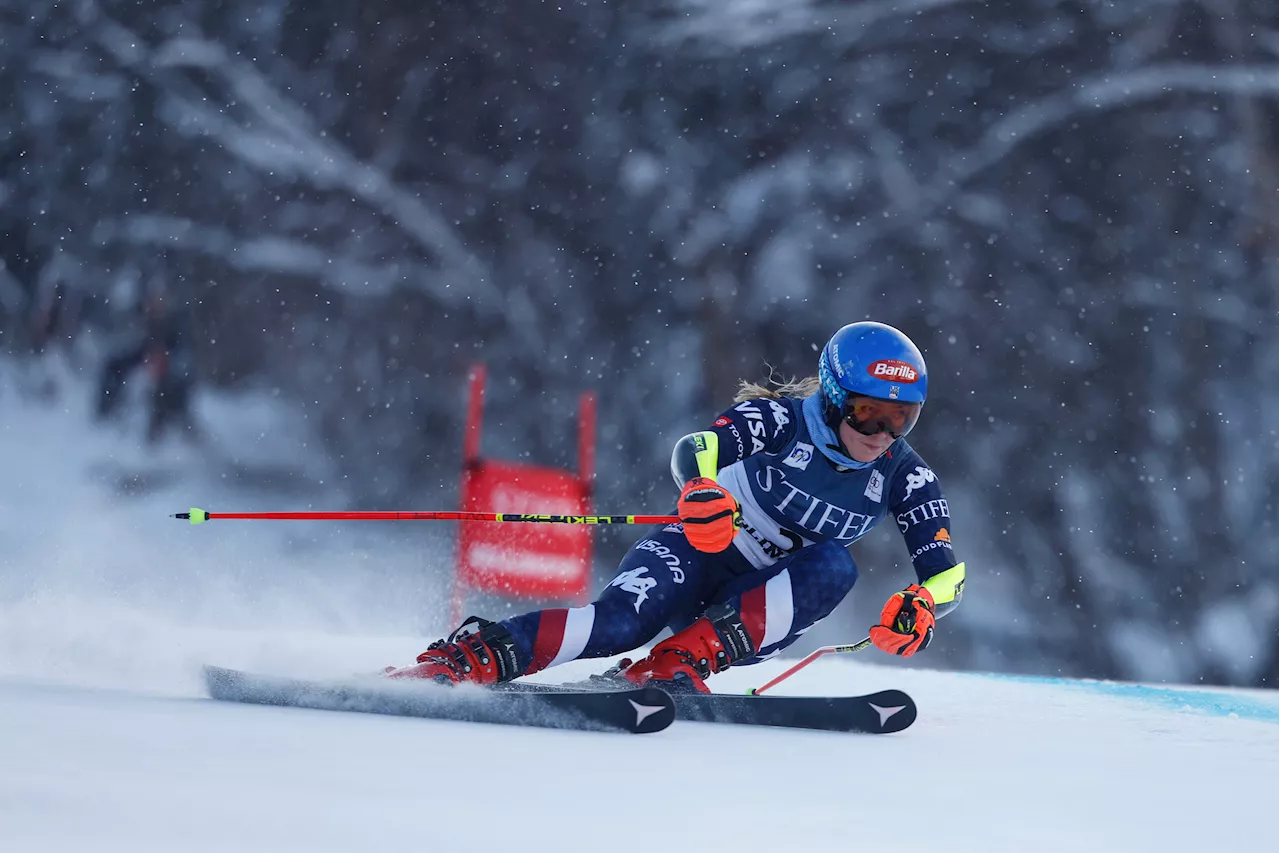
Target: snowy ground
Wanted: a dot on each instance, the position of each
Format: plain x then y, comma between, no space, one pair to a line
990,765
107,609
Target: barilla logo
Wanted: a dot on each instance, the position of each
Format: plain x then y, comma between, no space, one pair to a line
891,368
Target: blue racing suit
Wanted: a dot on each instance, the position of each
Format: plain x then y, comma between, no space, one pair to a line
803,503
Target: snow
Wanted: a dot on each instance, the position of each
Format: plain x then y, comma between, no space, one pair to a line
108,608
992,764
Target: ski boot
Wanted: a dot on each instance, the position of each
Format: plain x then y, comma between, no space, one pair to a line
680,663
478,652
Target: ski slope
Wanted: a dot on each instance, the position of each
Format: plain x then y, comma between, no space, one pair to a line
992,764
108,609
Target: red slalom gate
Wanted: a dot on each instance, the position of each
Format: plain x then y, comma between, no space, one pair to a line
523,561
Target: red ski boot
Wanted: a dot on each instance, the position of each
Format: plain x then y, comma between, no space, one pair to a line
479,652
682,661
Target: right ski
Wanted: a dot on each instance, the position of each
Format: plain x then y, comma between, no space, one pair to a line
875,713
882,712
637,710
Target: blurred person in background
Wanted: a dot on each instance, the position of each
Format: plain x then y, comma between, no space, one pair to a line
154,338
771,497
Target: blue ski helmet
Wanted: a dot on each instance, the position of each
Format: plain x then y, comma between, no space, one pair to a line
873,360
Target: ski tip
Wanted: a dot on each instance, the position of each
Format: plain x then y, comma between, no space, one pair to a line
897,710
655,709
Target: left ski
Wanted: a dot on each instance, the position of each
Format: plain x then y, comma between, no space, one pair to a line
635,710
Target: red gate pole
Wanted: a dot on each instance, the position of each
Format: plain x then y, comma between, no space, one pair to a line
587,477
470,461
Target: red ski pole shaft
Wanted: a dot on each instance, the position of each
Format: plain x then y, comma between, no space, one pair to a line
810,658
199,516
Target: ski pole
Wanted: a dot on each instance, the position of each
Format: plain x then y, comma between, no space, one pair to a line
810,658
199,516
945,588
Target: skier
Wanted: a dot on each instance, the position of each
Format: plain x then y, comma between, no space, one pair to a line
770,498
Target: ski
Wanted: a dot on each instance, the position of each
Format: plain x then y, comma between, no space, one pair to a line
875,713
636,710
883,712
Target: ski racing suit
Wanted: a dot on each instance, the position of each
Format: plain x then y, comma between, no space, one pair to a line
803,503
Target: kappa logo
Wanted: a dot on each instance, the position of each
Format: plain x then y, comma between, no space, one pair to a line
800,457
875,487
942,536
920,478
780,417
635,583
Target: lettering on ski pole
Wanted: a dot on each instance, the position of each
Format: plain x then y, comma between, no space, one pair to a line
565,519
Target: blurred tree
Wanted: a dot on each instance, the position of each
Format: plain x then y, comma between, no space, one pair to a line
1069,206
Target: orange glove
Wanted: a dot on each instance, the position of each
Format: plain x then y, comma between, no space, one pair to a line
906,622
709,513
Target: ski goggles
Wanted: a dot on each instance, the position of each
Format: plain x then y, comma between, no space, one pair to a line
872,415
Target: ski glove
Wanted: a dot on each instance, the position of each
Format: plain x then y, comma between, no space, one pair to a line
906,622
709,513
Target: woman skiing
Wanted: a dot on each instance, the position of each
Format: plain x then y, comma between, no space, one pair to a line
771,496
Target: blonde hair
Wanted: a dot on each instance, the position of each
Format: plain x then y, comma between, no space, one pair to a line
775,388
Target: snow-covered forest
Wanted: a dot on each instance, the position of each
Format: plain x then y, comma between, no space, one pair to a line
1070,206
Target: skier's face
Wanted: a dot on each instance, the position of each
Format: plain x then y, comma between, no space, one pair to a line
864,448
